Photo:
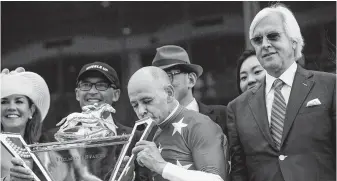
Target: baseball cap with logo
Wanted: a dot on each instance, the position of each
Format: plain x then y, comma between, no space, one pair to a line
103,68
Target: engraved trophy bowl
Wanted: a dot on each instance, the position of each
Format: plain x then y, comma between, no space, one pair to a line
92,159
75,159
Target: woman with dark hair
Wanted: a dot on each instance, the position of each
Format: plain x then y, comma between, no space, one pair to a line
249,72
25,101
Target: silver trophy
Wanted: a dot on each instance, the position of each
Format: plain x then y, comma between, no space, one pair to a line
87,149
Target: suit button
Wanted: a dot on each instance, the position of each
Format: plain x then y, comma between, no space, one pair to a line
282,157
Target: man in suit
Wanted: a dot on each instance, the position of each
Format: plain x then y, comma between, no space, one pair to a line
183,76
285,129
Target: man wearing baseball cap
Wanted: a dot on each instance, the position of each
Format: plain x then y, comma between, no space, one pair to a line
98,82
183,76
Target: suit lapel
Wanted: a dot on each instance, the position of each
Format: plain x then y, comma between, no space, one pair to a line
206,110
257,105
300,89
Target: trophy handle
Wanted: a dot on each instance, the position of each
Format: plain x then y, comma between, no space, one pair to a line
147,135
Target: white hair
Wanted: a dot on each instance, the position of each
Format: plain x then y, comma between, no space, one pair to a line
290,25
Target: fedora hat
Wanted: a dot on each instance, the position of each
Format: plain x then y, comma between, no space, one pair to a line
170,56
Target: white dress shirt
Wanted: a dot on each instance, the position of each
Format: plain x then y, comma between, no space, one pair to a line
288,78
193,105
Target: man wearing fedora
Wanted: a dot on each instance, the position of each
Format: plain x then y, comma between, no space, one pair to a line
183,76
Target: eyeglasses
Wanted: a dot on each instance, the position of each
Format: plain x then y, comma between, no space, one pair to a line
100,86
271,37
173,73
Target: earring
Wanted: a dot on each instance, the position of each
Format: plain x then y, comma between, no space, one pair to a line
30,117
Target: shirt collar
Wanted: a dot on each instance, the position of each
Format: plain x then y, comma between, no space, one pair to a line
193,105
171,114
287,77
172,117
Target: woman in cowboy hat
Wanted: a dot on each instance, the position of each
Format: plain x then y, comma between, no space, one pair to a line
25,101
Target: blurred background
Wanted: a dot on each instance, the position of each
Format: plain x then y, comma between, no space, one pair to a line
55,39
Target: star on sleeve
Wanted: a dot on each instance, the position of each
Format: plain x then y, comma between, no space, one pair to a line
185,167
177,126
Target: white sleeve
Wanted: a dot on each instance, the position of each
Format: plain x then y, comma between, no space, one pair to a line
175,173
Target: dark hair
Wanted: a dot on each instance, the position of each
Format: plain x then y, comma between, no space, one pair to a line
33,126
245,54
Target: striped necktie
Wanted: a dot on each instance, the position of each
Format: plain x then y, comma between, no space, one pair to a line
278,112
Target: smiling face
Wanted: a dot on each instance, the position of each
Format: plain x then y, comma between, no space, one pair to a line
93,95
276,52
251,73
15,112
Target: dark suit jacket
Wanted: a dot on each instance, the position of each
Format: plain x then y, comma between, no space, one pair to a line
217,113
308,148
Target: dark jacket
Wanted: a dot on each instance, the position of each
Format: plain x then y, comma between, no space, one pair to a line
217,113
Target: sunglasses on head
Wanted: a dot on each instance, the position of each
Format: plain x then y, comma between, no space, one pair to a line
272,37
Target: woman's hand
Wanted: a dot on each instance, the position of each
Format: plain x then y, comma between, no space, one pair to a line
18,172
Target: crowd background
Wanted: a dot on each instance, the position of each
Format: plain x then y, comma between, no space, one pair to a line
55,39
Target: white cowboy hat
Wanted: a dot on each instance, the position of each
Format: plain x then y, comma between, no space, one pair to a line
29,84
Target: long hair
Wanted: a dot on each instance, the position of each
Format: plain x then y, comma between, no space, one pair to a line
36,90
33,127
